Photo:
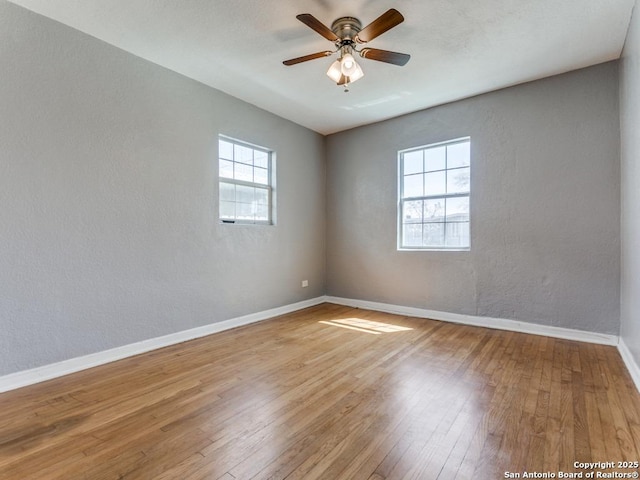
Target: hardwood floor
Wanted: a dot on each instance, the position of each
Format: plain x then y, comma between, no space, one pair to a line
330,392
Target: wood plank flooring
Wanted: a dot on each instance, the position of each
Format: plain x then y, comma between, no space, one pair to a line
330,392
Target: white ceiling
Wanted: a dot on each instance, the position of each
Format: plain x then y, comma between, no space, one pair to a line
459,48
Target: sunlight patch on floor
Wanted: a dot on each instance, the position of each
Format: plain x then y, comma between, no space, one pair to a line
367,326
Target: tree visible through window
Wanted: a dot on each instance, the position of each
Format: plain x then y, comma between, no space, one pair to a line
245,182
434,190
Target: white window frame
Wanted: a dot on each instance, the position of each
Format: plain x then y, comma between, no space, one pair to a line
402,199
237,182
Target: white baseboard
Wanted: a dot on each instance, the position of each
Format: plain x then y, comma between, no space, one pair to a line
489,322
59,369
65,367
630,362
504,324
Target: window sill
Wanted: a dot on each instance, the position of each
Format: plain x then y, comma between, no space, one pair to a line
258,224
433,249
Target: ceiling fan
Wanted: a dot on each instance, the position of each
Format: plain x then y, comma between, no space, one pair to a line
347,34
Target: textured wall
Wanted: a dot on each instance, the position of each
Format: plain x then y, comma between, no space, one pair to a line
108,216
630,188
108,200
545,244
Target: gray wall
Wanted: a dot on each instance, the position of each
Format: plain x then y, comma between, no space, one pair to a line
630,190
108,217
109,231
545,183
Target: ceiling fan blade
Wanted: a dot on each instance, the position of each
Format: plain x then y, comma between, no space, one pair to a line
385,56
315,24
384,22
306,58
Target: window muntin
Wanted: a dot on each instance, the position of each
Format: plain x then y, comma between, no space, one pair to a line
434,191
245,182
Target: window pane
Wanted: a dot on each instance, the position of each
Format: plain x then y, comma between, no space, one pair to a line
413,186
260,159
433,235
458,180
243,154
226,169
458,209
244,211
435,159
243,172
457,234
262,213
225,150
261,175
412,235
227,192
458,155
412,212
434,210
262,196
228,210
434,183
245,194
412,162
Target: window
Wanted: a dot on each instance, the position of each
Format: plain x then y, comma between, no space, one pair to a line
245,182
434,188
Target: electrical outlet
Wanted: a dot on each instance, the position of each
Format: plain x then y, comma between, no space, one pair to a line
305,283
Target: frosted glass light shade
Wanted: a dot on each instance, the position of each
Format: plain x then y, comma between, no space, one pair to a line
348,65
334,72
357,74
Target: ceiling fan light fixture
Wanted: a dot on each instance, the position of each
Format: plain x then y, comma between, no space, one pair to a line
348,65
357,74
335,72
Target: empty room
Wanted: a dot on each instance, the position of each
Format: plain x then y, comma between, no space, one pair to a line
319,239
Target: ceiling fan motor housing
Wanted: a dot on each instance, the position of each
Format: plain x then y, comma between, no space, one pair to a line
346,29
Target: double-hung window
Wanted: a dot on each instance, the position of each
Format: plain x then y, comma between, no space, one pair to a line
434,192
245,173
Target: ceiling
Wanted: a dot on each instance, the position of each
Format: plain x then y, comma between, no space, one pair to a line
459,48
